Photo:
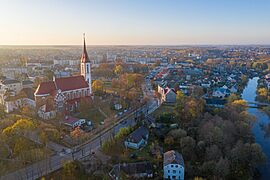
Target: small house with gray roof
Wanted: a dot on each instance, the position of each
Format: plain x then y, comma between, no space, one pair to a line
137,138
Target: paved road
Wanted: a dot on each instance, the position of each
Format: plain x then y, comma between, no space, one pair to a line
56,161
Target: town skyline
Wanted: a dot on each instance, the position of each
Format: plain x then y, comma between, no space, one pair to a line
134,23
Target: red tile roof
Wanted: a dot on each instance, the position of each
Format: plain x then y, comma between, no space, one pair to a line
45,88
65,84
71,120
71,83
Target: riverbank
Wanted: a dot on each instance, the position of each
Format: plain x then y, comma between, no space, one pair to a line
260,125
262,95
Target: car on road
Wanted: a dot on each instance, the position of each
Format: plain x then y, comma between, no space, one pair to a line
124,122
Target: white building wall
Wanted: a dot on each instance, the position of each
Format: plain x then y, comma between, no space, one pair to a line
174,171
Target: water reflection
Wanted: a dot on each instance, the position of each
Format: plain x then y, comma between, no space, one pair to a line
261,128
266,129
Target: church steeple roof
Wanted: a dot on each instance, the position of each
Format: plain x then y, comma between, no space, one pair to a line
84,57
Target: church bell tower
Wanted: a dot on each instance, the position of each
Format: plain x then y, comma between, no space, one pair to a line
86,66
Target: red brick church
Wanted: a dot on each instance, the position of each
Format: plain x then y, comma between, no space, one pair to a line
64,94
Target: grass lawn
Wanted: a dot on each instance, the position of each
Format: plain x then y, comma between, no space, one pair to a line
94,115
162,109
105,106
3,152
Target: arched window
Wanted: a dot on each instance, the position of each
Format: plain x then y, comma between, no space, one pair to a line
87,69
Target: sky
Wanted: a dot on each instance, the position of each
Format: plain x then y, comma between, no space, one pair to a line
134,22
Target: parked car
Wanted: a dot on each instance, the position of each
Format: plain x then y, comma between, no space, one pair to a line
133,156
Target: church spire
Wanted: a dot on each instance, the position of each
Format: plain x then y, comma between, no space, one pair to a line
84,57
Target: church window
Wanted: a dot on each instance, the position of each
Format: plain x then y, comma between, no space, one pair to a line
87,68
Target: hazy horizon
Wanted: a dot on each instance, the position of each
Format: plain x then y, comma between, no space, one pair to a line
247,44
126,22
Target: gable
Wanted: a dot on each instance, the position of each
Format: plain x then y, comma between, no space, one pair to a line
45,88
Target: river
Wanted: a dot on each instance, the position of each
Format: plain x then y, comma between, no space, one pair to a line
249,94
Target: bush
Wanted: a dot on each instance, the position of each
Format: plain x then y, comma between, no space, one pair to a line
166,118
123,132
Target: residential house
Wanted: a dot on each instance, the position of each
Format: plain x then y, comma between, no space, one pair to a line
13,95
267,80
234,89
173,165
12,72
169,95
185,89
206,84
137,138
161,88
11,85
221,92
73,121
27,84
